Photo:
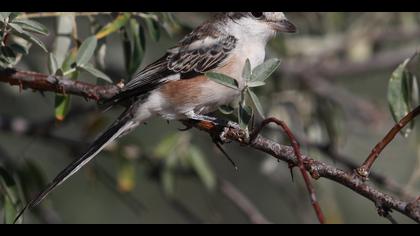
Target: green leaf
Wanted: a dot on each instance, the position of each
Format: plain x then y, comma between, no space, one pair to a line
255,84
52,64
166,146
31,38
32,177
95,72
86,51
398,94
17,28
32,26
263,71
11,199
62,41
13,16
62,106
114,26
223,80
202,168
247,70
227,110
168,182
152,28
69,61
244,116
256,102
8,54
63,102
126,176
136,46
17,48
100,55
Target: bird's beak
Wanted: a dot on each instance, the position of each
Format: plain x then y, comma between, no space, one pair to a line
284,26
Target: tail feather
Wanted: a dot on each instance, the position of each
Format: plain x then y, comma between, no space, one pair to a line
117,129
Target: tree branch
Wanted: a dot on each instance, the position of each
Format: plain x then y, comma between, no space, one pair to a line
48,83
317,169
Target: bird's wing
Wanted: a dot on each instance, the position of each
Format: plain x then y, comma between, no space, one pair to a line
194,55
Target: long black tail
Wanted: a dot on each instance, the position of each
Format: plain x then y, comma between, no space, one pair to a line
118,128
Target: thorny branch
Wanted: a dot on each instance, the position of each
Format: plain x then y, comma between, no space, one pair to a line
317,169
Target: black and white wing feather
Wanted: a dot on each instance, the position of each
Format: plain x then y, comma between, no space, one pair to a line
196,54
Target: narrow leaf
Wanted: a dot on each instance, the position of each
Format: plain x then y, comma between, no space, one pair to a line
223,79
86,51
63,102
247,70
153,28
31,38
263,71
245,116
397,94
62,106
256,102
114,26
12,202
16,28
136,38
62,41
95,72
17,48
8,54
168,182
126,176
166,146
202,168
32,26
52,64
255,84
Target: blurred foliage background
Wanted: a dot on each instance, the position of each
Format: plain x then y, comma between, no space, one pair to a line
331,88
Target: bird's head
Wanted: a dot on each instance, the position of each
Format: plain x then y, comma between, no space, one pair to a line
258,24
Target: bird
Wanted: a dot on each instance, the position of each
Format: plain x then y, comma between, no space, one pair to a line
175,87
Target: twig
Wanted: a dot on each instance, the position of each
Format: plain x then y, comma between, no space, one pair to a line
56,84
364,170
296,149
242,202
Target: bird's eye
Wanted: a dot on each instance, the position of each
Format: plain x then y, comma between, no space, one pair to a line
257,14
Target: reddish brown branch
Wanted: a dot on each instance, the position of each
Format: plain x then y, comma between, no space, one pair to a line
364,170
297,152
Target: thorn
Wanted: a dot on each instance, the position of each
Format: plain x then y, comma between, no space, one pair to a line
291,166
